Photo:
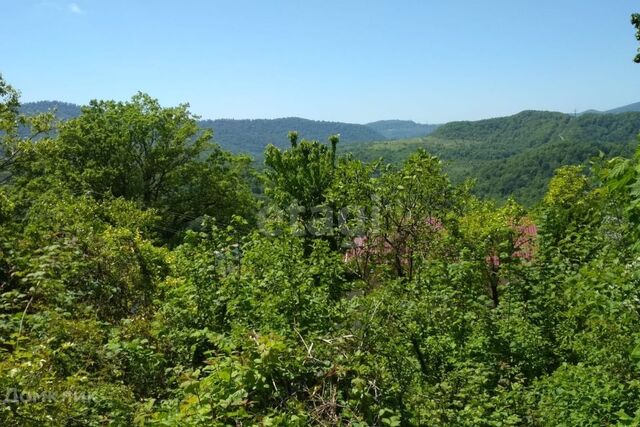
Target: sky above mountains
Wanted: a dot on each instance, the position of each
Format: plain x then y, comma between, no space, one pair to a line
350,60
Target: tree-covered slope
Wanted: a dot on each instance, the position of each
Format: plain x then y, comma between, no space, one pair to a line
252,136
399,129
516,155
506,135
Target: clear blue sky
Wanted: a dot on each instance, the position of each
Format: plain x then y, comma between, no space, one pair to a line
349,60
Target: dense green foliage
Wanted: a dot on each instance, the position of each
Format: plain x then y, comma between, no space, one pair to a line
515,156
361,294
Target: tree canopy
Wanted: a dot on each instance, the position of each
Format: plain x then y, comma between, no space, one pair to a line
156,157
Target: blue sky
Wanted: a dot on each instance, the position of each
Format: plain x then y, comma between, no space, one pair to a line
349,60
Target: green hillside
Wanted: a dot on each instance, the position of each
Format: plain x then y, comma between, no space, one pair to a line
515,155
252,136
398,129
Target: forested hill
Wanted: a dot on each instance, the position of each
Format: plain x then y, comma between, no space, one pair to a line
516,155
525,129
252,136
245,136
398,129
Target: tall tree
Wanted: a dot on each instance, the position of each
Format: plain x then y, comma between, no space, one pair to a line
155,156
300,177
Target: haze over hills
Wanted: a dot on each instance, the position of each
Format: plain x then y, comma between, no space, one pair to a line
635,107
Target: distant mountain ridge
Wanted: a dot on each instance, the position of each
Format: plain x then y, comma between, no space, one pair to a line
253,135
245,136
